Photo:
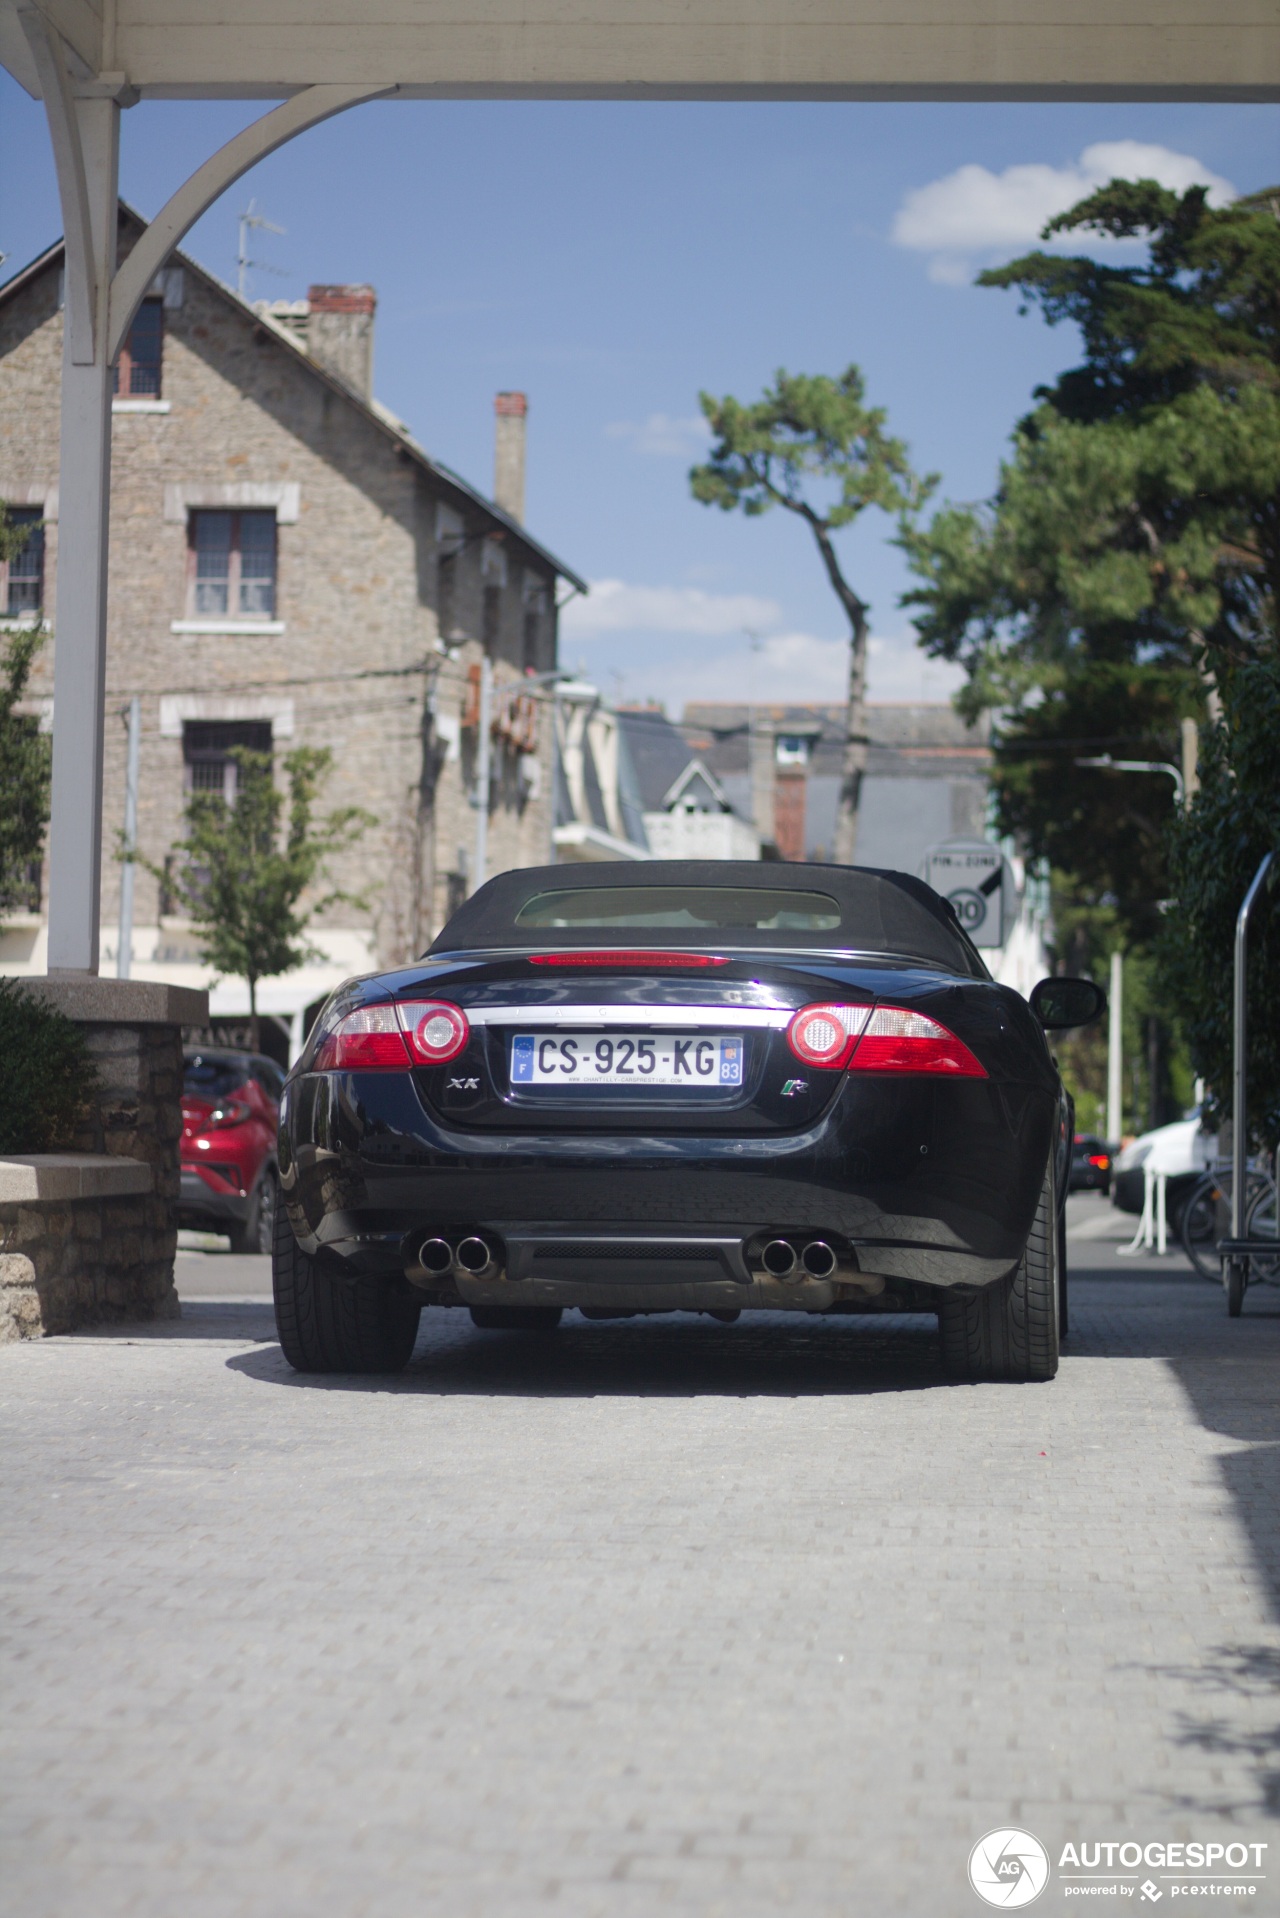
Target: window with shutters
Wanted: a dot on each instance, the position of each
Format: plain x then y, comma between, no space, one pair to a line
232,565
207,746
22,580
138,370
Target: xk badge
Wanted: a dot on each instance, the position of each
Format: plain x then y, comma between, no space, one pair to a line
1008,1868
463,1085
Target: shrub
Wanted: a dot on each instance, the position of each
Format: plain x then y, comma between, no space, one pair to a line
47,1079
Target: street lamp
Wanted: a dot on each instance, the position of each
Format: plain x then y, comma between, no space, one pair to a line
1142,766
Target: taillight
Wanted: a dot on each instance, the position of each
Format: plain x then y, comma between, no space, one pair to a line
1100,1159
369,1040
826,1035
435,1030
660,961
234,1112
896,1040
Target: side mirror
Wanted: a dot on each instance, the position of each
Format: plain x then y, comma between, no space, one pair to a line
1060,1004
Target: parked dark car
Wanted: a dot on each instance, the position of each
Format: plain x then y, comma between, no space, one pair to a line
1090,1164
230,1113
691,1086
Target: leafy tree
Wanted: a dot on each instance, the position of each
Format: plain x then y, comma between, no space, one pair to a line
809,438
49,1077
1216,848
24,751
242,881
1131,554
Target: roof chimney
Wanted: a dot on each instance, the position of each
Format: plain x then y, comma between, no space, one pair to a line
340,333
508,453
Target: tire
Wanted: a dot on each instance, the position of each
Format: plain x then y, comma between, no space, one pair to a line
1063,1324
1199,1229
256,1231
516,1318
1233,1282
336,1325
1008,1332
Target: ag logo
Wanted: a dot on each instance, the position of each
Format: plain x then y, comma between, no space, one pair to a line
1008,1868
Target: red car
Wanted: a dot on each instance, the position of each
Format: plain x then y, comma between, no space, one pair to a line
230,1113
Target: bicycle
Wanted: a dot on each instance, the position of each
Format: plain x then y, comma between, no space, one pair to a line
1206,1218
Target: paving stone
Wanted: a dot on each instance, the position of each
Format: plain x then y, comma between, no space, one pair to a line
651,1617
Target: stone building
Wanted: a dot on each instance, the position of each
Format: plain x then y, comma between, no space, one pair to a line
288,567
780,766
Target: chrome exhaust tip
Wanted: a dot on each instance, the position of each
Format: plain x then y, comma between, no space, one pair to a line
436,1257
818,1260
474,1256
779,1259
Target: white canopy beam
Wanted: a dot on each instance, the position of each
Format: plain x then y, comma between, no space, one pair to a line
73,188
181,212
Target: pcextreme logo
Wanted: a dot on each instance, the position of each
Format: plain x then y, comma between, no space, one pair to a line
1008,1868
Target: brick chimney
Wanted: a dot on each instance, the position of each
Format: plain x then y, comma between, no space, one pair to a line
508,453
340,333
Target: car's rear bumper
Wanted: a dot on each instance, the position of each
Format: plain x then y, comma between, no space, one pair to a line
919,1185
198,1202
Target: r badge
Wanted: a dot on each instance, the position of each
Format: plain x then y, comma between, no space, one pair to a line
793,1086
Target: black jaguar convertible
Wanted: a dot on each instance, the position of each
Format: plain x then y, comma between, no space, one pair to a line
681,1087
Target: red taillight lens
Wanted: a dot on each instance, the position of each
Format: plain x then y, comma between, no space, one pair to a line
369,1040
826,1035
660,961
1100,1159
435,1030
896,1040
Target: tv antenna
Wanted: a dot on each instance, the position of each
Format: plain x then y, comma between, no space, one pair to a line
249,219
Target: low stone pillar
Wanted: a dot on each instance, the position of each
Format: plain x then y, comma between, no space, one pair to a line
90,1236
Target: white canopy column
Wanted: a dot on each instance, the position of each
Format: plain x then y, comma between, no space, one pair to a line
99,306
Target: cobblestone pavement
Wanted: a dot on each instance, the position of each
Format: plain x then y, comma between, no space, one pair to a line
643,1618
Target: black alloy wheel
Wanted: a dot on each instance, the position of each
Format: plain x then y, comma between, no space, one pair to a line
337,1325
1009,1331
256,1231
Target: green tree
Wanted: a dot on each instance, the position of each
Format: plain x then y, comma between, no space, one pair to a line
24,751
812,446
242,871
1216,848
1131,554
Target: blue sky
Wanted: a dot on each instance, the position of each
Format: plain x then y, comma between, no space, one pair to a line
612,259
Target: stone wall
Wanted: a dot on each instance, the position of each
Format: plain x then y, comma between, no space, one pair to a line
90,1236
70,1258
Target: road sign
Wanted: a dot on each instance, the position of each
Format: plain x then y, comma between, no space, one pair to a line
975,877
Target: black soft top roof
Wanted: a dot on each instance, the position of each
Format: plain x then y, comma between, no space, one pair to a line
879,911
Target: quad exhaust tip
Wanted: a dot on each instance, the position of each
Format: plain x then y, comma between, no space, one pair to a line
474,1256
436,1257
818,1260
780,1259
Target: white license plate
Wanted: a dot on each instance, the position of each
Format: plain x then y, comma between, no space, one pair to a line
588,1059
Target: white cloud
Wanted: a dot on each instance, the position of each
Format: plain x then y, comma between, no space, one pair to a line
614,607
976,212
664,436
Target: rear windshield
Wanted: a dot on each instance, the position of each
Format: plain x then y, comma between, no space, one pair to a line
714,904
721,908
206,1078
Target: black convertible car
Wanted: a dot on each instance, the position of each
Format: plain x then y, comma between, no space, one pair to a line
685,1086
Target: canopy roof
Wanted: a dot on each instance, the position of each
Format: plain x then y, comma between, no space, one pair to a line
668,49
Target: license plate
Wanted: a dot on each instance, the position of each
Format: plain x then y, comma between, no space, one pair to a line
584,1058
